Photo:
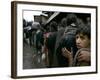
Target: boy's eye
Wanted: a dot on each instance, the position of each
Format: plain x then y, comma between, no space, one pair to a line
82,37
77,37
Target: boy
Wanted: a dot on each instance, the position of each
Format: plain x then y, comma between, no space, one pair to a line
83,43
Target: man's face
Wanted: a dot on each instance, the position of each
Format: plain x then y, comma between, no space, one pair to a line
82,41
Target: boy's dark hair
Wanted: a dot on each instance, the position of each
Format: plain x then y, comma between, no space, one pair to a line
85,30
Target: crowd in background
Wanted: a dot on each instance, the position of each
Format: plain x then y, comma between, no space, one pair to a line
56,43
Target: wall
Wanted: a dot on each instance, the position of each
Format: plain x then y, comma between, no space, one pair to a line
5,40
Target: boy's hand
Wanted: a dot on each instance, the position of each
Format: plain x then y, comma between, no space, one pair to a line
84,56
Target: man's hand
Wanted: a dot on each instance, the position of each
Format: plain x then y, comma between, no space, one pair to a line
66,53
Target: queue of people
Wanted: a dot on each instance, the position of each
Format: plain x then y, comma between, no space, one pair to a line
61,44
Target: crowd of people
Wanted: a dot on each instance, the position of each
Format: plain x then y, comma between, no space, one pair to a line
61,44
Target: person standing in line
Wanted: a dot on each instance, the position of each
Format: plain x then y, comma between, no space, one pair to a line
51,40
83,43
66,37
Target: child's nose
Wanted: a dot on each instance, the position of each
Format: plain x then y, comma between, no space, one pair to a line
78,41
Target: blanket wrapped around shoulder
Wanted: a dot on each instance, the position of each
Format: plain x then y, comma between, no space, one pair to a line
82,63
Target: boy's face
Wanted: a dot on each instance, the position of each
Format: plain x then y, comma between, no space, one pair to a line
82,41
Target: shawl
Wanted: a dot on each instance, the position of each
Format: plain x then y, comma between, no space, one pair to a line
82,63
